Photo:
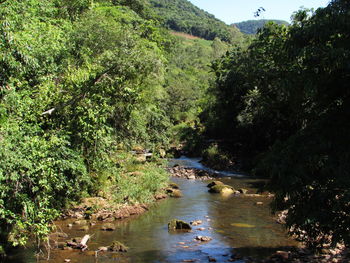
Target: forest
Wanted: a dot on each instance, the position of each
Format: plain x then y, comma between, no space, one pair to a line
84,84
251,27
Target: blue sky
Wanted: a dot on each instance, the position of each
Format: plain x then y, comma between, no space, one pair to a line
231,11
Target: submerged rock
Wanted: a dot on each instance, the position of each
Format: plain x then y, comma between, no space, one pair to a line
118,247
80,222
84,228
211,259
176,224
108,227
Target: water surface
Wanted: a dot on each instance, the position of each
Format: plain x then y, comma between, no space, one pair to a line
235,223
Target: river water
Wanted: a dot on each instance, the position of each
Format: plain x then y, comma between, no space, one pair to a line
236,224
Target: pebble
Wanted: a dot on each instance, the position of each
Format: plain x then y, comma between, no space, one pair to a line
203,238
196,222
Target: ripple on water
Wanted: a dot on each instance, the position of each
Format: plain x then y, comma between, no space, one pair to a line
235,224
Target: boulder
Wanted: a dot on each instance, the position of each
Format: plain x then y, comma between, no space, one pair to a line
173,185
176,193
117,246
222,189
176,224
215,183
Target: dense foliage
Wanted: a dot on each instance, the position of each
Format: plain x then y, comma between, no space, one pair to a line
81,83
183,16
284,101
78,79
251,27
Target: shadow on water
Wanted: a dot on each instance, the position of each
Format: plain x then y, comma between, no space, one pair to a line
258,252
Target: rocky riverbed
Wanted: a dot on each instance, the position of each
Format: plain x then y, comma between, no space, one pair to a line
237,227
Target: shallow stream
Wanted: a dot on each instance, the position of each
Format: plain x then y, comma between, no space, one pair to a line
236,224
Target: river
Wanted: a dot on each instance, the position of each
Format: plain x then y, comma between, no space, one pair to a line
236,224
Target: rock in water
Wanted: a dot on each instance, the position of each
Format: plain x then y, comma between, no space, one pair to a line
176,193
84,228
108,227
203,238
215,183
196,222
173,185
222,189
118,247
176,224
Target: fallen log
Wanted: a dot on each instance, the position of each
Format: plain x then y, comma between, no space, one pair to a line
83,242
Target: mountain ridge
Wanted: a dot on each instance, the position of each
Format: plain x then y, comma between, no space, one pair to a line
251,27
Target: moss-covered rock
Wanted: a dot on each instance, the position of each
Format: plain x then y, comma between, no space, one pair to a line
176,224
176,193
222,189
173,185
117,246
213,183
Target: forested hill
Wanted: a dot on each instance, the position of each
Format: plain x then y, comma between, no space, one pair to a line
251,26
183,16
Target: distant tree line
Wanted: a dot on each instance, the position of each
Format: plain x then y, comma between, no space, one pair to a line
251,27
183,16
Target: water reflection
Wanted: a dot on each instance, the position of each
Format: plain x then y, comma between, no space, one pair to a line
148,238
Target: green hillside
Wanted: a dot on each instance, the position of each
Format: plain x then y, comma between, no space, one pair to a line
183,16
251,26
